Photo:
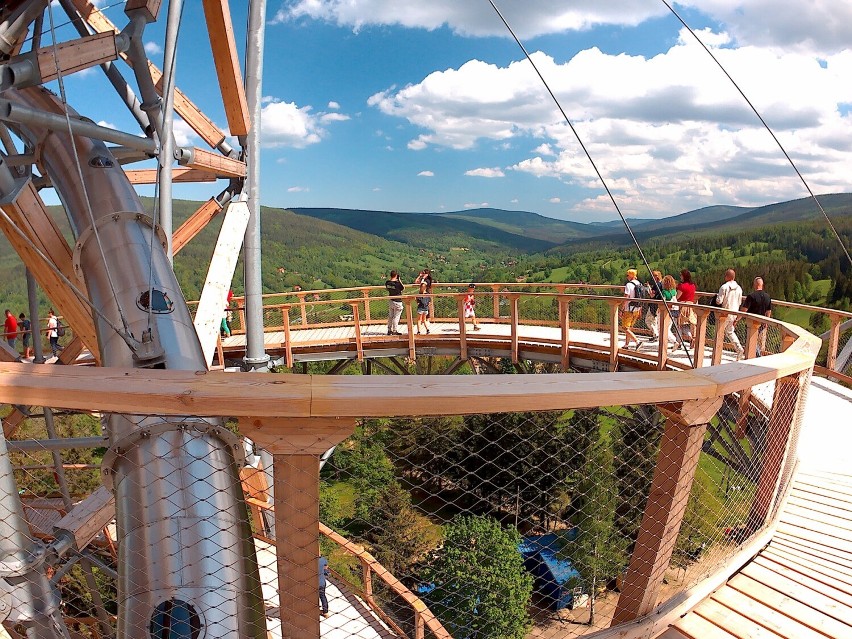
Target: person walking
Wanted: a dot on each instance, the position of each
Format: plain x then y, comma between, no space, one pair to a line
426,276
651,316
470,307
758,302
25,330
10,329
668,291
631,308
730,298
423,308
53,332
687,319
322,565
394,288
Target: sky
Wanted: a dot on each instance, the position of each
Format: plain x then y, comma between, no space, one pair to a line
406,105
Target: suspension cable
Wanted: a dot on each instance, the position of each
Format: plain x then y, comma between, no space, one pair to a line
594,166
80,171
766,126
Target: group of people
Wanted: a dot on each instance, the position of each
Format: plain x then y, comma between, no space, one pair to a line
14,327
424,281
682,294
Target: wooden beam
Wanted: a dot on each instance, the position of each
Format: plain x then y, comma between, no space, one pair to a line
297,436
296,490
89,517
151,8
215,163
565,334
221,31
184,107
676,463
179,174
76,55
195,224
29,214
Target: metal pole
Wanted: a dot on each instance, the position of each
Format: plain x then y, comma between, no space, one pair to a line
256,355
167,150
36,335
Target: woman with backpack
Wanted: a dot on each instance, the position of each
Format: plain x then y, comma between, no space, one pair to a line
53,328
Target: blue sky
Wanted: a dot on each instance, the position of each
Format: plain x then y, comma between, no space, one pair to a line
425,106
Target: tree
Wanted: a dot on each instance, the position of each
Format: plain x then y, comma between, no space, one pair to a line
399,534
481,590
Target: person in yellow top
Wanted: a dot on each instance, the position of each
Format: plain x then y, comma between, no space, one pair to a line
631,309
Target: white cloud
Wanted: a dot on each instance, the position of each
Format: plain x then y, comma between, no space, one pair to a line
426,174
554,200
286,124
108,125
671,126
514,200
184,135
376,189
334,106
298,189
152,48
474,205
818,25
495,172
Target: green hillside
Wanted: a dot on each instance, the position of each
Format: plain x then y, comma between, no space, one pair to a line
525,223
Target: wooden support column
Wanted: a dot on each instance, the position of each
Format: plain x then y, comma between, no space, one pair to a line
613,334
302,309
565,330
409,320
664,322
513,305
785,407
680,447
718,339
365,293
750,346
179,174
359,342
209,162
76,55
296,445
288,345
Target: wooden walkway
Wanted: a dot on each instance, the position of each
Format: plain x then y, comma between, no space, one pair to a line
800,585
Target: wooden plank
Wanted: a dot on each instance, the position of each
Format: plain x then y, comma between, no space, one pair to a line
734,622
824,515
29,214
211,306
821,502
221,30
825,575
818,583
765,616
792,586
183,106
827,541
815,565
699,628
149,7
673,633
215,163
809,615
179,174
76,55
195,223
817,553
296,490
816,526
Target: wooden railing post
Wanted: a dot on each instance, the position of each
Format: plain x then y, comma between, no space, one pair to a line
719,339
613,333
367,579
752,328
785,408
419,626
359,342
833,342
241,311
664,323
513,305
700,337
296,445
565,330
365,293
409,318
302,308
686,423
288,345
462,328
495,301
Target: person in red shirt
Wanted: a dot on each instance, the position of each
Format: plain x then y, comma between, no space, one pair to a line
687,319
10,329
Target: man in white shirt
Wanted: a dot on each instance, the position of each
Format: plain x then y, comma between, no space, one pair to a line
730,298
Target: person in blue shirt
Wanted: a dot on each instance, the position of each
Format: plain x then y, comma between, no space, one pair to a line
323,573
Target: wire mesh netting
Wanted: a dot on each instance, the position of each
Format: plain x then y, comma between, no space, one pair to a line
487,525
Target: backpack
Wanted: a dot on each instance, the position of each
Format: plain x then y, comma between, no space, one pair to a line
640,292
60,329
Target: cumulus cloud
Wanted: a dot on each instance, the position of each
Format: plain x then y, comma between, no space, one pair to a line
554,200
494,172
820,25
671,124
286,124
152,48
426,174
298,189
334,106
474,205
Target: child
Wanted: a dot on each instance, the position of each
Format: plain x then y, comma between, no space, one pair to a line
470,307
423,308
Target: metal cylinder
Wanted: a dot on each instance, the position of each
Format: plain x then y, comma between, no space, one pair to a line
181,521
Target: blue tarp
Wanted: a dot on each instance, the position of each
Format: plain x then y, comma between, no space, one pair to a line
551,573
